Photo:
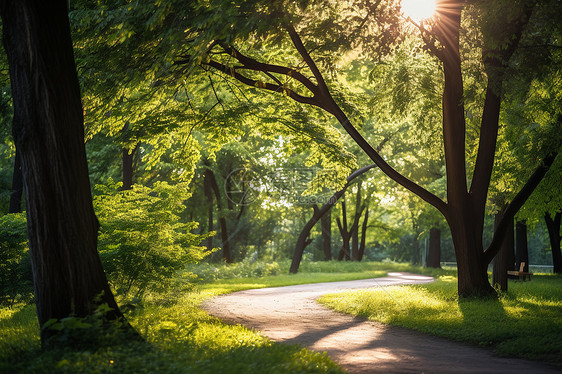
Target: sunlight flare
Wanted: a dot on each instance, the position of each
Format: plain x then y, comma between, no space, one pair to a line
418,10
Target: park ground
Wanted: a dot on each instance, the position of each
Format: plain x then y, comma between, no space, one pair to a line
180,337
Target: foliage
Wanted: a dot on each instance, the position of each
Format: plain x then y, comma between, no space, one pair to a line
142,244
15,266
244,269
523,323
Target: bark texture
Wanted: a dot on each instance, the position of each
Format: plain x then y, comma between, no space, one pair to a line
48,131
433,259
505,259
17,186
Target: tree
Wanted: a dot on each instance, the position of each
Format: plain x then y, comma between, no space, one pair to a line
505,258
48,131
17,186
319,214
434,251
554,235
464,208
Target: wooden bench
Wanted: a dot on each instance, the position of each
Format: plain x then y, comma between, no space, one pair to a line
523,275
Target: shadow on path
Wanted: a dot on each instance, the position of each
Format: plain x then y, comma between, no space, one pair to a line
292,315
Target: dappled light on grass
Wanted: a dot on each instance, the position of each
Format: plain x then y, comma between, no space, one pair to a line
526,322
180,338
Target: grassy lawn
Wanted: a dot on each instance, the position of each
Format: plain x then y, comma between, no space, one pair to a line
526,322
180,338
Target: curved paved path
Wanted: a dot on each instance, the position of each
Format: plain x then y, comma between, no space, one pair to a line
292,315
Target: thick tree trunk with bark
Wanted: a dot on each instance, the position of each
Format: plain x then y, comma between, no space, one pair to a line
553,227
471,265
48,131
17,186
505,259
521,248
433,259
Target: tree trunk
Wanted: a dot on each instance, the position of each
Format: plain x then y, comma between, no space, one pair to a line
553,226
326,224
463,214
128,157
222,221
363,236
505,259
433,259
522,251
345,233
471,266
301,241
49,132
128,160
356,217
17,186
209,195
344,252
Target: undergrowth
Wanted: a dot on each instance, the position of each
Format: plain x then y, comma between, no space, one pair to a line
179,337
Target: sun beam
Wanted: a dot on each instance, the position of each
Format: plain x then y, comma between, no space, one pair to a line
418,10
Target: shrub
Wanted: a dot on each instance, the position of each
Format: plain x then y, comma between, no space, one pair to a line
142,243
15,266
243,269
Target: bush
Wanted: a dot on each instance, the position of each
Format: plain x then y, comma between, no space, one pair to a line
16,280
243,269
142,244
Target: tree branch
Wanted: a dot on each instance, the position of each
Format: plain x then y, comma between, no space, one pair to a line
324,100
297,42
250,63
495,62
267,86
514,207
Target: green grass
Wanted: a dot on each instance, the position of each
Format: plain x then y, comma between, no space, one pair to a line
526,322
180,338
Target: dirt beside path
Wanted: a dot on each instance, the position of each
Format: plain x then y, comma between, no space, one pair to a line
292,315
